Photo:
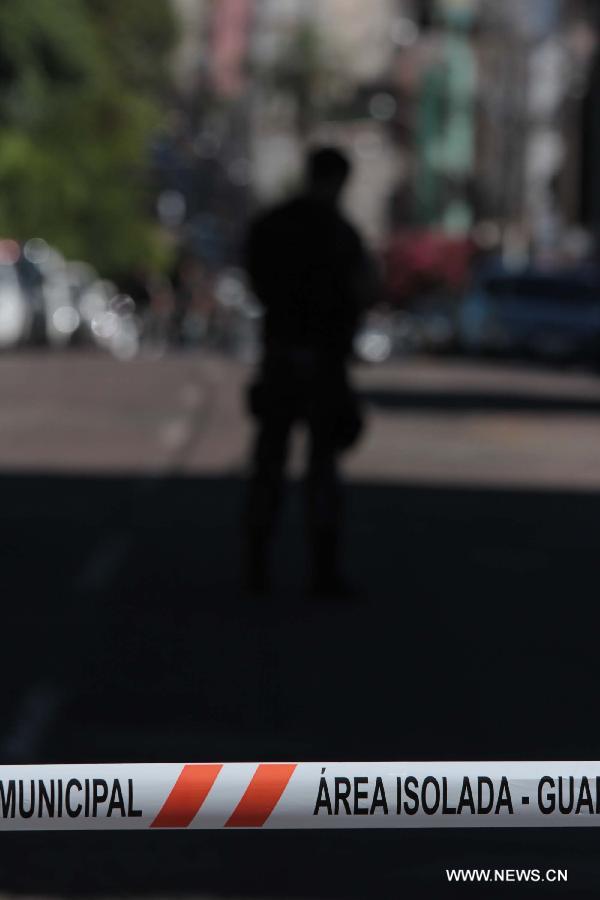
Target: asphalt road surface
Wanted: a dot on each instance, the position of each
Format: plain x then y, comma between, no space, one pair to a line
473,506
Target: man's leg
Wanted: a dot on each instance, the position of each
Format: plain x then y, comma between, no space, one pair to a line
264,498
323,512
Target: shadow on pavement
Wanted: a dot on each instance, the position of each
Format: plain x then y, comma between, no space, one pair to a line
479,401
475,639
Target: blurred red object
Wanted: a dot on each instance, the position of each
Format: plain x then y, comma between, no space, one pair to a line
10,252
421,262
230,37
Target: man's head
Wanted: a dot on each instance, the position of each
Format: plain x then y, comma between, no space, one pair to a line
327,171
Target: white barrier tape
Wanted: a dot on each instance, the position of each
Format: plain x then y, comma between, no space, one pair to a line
300,795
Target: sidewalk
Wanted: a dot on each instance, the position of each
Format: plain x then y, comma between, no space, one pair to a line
429,421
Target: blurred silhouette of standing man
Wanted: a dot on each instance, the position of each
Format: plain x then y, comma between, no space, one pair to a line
311,273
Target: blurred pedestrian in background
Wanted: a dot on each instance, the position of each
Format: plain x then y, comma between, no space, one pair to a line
311,273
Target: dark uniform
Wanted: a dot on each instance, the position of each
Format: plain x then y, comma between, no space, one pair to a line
310,271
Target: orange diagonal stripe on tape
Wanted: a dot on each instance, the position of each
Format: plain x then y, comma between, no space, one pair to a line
262,794
187,796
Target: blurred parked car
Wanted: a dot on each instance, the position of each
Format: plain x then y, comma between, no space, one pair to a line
552,315
59,318
375,341
388,333
237,315
425,275
425,263
109,319
37,301
21,297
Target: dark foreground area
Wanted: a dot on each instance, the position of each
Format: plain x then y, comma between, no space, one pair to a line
126,638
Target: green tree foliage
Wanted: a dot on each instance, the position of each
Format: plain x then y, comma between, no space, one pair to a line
80,86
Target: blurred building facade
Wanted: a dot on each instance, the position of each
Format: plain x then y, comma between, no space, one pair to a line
535,67
458,114
589,184
325,63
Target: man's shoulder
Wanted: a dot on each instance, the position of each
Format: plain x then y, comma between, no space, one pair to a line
317,219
